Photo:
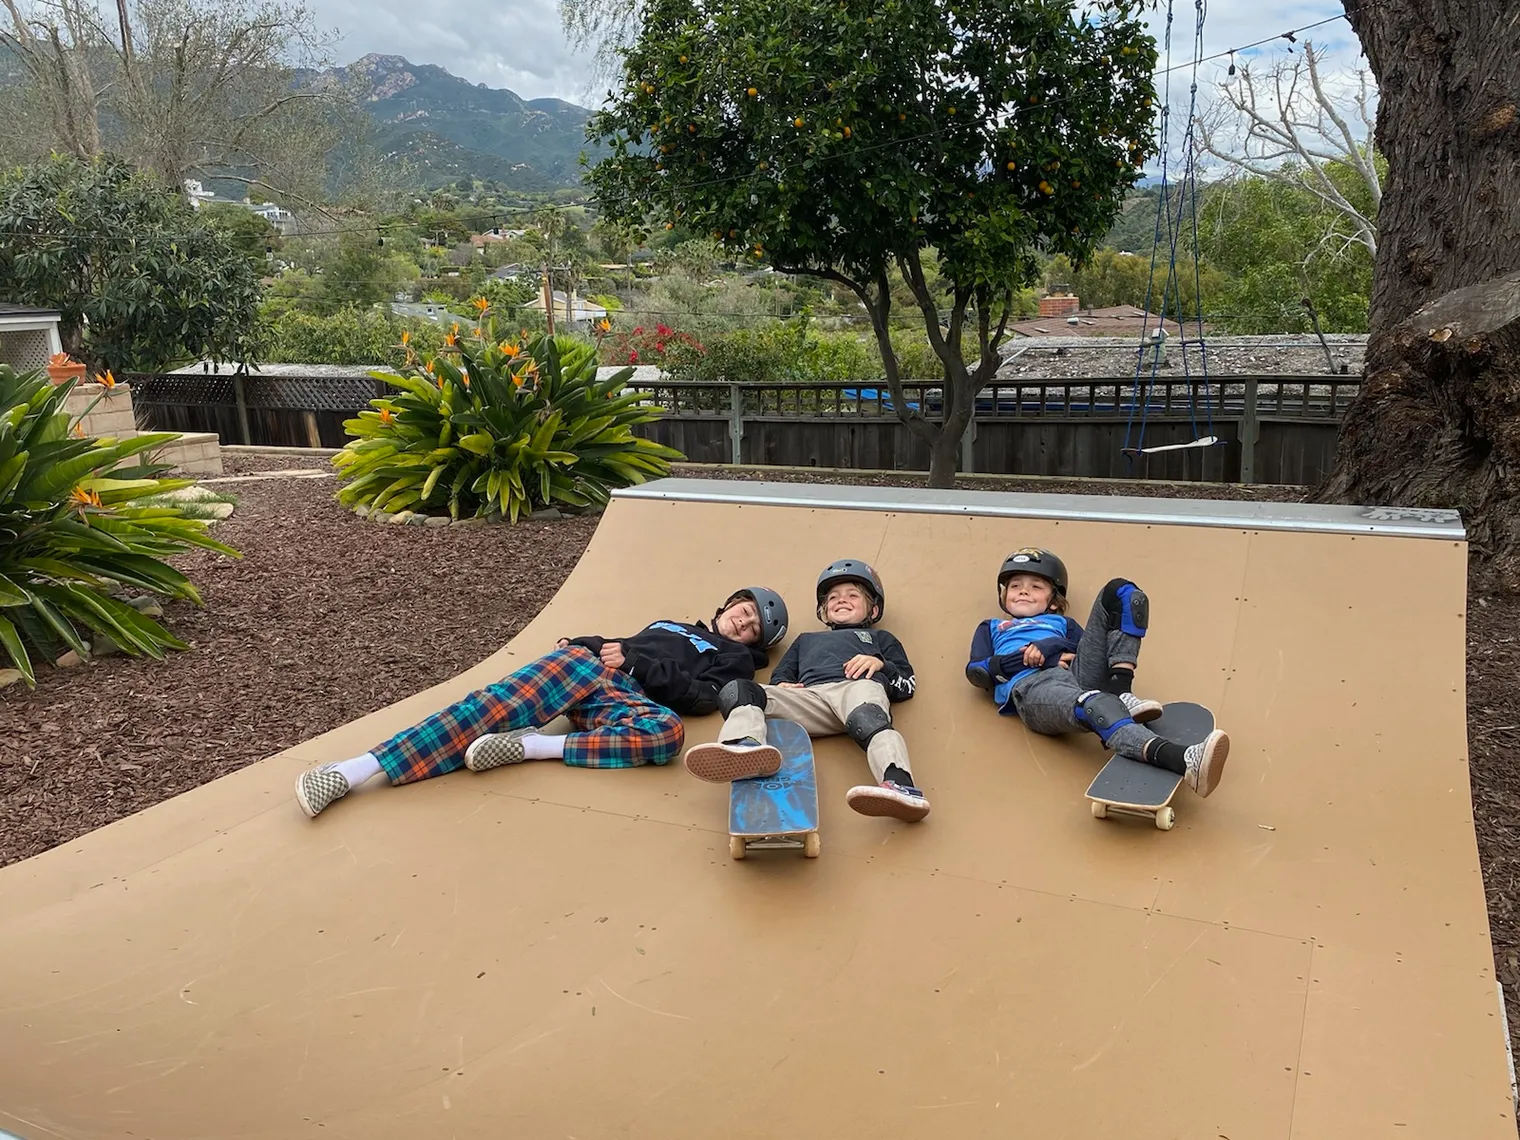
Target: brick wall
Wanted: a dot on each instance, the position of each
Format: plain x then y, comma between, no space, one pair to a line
111,414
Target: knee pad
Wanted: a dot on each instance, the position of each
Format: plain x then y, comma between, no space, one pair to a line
1128,605
865,722
737,694
1102,713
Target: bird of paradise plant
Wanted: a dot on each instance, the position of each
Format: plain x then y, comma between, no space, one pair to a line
499,426
71,527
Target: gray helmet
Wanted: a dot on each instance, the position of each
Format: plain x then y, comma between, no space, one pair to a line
1032,560
772,610
853,570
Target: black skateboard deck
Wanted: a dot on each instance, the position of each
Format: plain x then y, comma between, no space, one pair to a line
1132,788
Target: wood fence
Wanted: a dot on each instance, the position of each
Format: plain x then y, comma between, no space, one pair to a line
1271,429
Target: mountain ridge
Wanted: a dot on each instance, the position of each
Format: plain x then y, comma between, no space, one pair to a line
450,128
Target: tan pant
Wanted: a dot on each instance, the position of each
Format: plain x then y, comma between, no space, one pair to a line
822,710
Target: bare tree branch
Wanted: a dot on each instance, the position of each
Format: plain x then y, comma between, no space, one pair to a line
1288,126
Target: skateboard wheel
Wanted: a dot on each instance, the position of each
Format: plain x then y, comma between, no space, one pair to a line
811,845
1099,810
736,846
1165,818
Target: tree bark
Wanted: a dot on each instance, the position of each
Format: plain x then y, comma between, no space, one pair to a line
1435,423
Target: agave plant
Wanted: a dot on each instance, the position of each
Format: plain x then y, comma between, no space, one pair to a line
499,427
70,534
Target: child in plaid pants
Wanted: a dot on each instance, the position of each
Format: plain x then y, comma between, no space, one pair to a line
624,701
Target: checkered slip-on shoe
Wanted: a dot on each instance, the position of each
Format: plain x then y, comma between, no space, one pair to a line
495,749
1142,710
316,788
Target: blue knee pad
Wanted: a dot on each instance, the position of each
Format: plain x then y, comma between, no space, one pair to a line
737,694
1102,713
1127,602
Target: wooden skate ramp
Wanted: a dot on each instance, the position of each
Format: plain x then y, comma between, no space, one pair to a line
541,952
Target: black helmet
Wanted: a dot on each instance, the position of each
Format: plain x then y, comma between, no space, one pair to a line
1032,560
853,570
772,610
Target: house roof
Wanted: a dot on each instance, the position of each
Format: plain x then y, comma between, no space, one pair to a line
1116,320
583,310
7,309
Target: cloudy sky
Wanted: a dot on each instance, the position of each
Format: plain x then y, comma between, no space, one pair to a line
518,44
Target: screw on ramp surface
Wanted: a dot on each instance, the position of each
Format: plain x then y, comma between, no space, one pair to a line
540,951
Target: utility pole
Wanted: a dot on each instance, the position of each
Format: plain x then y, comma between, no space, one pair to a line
548,300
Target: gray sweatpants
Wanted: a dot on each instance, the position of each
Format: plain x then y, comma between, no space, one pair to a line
1046,700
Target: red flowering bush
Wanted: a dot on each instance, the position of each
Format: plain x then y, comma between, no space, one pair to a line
661,346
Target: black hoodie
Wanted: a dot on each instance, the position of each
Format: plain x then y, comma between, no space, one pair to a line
683,666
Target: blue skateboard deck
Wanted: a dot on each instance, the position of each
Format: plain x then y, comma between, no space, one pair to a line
1130,787
779,810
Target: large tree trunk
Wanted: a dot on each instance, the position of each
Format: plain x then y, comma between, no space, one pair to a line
1436,422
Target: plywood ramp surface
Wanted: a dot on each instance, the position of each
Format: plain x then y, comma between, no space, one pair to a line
546,952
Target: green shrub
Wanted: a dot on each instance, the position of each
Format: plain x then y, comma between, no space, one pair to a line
73,528
916,358
488,427
350,336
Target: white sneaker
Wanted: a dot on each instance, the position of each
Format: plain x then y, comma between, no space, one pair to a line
1141,709
726,761
1205,762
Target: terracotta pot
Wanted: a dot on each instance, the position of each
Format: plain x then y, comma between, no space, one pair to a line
62,373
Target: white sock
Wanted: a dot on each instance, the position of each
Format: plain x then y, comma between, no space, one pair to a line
537,746
359,769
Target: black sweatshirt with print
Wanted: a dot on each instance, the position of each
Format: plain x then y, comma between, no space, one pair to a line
683,666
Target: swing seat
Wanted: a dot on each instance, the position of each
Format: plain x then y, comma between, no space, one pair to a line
1206,441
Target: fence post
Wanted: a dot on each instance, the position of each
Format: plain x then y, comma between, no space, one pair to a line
242,406
968,447
735,424
1249,430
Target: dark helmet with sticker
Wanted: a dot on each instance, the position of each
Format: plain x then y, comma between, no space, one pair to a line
852,570
770,606
1032,560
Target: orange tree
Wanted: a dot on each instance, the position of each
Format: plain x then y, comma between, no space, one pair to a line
856,139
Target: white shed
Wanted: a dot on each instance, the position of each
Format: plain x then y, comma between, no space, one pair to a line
28,336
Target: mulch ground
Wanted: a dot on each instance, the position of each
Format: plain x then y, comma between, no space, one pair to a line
327,617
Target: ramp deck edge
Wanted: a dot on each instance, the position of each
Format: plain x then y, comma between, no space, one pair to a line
1397,522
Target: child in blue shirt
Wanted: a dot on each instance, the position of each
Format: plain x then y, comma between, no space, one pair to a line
1042,667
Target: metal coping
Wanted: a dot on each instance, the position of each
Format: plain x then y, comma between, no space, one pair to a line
1399,522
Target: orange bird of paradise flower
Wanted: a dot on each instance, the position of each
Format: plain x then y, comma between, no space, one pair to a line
509,350
481,304
105,379
386,417
85,498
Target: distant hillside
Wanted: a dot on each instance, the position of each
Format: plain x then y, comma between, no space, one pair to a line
449,127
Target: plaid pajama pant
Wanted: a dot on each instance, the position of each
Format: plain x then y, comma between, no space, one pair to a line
617,725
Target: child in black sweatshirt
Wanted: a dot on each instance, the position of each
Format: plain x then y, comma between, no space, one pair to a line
624,700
